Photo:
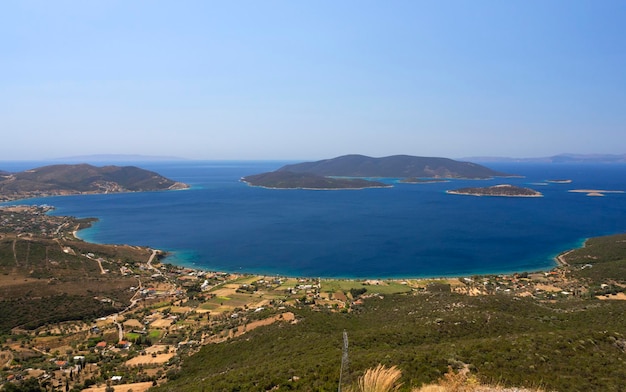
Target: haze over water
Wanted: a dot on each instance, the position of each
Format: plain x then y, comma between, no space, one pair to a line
410,230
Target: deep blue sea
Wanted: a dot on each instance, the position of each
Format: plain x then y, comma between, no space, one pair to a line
410,230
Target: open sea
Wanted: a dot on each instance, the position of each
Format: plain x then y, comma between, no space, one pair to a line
410,230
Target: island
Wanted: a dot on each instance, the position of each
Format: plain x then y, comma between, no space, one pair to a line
341,172
56,180
289,180
559,181
504,190
593,192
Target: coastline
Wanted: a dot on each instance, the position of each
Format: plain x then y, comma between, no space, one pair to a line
314,189
194,310
559,260
561,257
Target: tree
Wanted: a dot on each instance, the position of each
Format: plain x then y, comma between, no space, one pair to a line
30,385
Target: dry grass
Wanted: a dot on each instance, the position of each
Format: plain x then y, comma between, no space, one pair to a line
383,379
137,387
379,379
464,382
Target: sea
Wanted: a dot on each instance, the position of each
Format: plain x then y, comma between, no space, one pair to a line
407,231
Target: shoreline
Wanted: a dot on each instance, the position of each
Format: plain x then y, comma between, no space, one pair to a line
314,189
558,261
553,261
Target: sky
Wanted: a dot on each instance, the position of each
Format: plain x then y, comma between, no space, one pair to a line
311,79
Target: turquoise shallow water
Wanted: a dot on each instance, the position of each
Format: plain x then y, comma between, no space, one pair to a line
410,230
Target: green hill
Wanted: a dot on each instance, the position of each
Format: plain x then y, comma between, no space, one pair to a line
399,166
82,178
286,179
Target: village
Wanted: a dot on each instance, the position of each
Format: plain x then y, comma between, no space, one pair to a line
173,311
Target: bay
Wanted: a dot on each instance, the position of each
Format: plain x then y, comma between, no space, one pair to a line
410,230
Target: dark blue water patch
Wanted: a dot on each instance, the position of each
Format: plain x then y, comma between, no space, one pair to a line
408,230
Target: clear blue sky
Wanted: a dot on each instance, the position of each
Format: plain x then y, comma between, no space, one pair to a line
311,79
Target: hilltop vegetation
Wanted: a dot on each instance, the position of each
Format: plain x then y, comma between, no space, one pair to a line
396,166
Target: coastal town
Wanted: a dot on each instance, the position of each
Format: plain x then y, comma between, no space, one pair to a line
169,312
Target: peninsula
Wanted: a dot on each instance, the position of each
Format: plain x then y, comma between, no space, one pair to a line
341,172
505,190
55,180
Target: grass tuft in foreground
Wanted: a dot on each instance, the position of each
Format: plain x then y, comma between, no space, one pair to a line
379,379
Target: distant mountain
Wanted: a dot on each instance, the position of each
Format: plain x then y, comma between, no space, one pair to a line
291,180
81,178
561,158
117,158
589,158
398,166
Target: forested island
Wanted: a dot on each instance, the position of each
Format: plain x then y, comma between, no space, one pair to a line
289,180
497,190
341,172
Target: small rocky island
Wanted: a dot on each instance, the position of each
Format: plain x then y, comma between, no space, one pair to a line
559,181
55,180
504,190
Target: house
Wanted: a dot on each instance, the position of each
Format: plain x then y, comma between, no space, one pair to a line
101,345
123,344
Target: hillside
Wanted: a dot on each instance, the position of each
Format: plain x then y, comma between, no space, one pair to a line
81,178
559,341
574,345
287,180
46,275
397,166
